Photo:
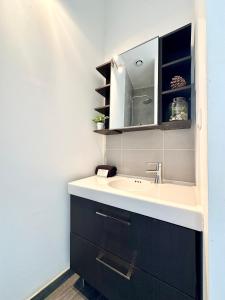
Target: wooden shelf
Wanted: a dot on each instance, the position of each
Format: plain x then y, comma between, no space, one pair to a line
139,128
172,125
177,61
104,91
103,109
105,70
173,91
107,131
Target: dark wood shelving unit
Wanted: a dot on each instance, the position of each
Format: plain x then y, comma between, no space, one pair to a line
139,128
175,60
176,45
105,71
108,131
103,109
175,125
179,90
104,91
163,126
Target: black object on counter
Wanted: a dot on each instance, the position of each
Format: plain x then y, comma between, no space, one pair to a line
111,170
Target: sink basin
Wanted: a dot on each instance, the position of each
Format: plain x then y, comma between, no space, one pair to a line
131,184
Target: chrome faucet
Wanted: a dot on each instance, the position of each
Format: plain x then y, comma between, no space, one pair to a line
155,168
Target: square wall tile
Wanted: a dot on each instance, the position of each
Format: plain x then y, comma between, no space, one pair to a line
179,165
113,158
146,139
134,162
179,139
114,141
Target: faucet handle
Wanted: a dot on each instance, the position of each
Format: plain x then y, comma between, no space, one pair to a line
154,166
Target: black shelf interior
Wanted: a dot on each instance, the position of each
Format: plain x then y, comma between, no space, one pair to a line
176,45
183,69
107,123
103,109
167,99
105,71
104,91
175,60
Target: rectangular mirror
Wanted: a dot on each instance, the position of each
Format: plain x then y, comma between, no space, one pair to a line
134,87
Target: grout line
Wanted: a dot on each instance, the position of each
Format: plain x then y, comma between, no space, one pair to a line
104,148
188,183
121,152
113,149
104,155
171,149
152,149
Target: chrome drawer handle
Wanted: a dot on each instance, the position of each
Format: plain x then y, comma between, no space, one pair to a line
127,276
113,218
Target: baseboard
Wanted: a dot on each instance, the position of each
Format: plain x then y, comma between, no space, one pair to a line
47,290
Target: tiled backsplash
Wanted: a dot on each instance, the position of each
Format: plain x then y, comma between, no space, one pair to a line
131,151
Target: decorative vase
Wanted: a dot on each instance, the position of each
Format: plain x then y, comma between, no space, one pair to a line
100,126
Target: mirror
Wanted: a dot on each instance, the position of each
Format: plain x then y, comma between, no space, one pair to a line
134,87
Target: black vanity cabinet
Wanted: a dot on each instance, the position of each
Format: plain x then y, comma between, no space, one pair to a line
125,255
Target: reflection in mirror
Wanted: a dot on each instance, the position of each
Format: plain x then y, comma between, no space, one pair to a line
134,87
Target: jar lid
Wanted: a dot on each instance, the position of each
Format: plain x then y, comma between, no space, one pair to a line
179,99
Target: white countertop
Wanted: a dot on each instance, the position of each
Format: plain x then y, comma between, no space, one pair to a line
177,204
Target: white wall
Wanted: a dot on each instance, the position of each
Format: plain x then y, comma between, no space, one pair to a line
48,53
130,22
216,147
201,128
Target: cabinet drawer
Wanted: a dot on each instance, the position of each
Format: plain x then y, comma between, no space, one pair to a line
115,278
107,227
169,252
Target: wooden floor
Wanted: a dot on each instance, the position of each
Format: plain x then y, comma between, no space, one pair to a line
67,291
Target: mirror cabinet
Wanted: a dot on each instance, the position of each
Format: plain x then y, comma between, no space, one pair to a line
149,86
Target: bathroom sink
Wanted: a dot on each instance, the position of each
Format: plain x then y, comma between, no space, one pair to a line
176,204
131,184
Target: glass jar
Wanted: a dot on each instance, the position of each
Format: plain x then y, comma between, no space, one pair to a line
178,109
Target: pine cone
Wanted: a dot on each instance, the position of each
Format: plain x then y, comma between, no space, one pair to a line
177,82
